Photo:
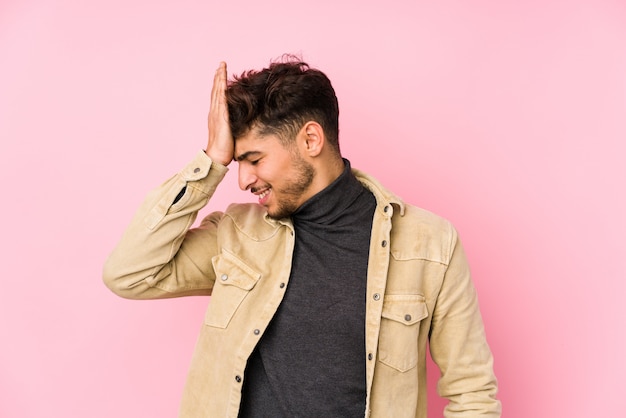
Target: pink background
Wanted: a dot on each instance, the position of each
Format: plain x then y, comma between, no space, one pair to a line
508,118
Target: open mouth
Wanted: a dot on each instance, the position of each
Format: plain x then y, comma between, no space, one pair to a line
263,196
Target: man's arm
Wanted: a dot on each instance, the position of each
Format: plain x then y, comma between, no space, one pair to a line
158,255
459,347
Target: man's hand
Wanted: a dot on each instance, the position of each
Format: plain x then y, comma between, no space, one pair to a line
221,146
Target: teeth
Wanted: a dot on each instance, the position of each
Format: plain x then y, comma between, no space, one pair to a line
262,195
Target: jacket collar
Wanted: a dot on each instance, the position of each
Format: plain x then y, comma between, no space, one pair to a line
383,196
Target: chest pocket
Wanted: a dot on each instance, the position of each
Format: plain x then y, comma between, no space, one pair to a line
234,279
399,330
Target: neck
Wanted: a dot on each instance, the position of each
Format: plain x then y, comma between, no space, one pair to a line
326,172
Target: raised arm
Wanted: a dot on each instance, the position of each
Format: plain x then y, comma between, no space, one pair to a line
159,256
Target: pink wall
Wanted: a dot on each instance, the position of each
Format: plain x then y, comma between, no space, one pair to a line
508,118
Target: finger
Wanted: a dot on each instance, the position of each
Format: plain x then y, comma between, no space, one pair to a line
219,83
219,101
222,83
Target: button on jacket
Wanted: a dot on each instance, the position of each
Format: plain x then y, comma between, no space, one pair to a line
419,289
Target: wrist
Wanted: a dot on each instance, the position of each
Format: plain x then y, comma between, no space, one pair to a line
219,158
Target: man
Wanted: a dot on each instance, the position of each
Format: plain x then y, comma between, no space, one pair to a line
325,293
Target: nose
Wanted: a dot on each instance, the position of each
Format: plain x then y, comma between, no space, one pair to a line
247,177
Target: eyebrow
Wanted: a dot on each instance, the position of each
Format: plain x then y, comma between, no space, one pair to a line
246,155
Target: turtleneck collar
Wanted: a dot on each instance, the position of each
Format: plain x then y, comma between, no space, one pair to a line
328,205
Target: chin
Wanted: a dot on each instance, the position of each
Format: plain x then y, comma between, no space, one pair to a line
279,213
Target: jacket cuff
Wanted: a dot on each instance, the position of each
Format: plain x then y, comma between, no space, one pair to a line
203,173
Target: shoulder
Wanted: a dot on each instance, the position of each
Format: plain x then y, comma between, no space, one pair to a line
418,233
424,221
251,220
406,215
244,211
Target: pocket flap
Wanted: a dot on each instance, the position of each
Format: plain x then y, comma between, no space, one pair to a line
406,309
231,271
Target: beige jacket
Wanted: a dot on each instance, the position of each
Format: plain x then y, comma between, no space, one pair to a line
419,289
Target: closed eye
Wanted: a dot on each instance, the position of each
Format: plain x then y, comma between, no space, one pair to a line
248,156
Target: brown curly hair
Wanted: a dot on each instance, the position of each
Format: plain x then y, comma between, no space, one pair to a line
280,99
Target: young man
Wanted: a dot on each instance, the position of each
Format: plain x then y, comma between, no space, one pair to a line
325,293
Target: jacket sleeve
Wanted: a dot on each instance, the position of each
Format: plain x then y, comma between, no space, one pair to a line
458,344
159,256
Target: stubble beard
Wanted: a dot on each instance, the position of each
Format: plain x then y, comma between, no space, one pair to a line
289,202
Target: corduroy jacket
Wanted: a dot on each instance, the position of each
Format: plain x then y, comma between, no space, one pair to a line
419,289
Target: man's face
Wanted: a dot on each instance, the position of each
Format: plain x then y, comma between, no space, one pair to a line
279,176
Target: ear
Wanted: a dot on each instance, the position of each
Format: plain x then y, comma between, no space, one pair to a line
313,139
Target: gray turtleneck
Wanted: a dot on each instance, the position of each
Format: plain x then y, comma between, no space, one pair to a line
311,360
